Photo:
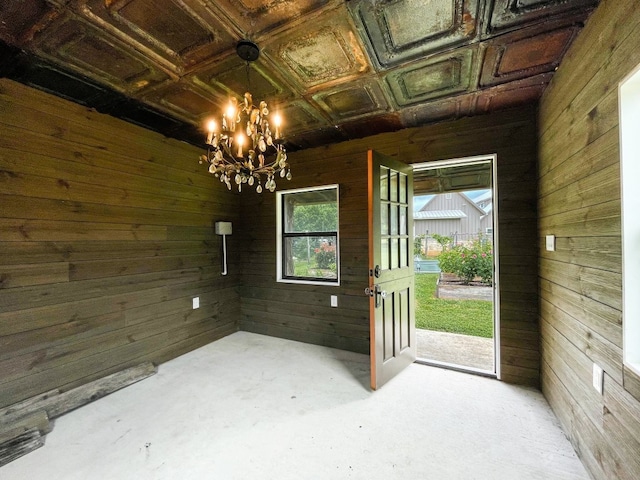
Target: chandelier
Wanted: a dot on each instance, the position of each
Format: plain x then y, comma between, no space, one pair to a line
246,147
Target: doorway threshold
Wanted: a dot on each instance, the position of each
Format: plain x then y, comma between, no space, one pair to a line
455,367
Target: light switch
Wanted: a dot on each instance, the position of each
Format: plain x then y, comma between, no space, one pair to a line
551,243
196,302
334,300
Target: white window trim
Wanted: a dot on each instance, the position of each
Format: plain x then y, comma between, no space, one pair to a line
279,276
629,108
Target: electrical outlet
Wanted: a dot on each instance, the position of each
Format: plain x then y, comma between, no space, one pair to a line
196,302
598,378
334,300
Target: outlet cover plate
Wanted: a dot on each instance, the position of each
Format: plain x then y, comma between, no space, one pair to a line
334,300
551,243
598,378
196,302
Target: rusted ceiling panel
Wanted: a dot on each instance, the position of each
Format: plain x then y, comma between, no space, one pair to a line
353,100
433,111
435,78
300,116
231,77
21,20
398,31
258,18
511,94
372,125
525,53
324,53
172,32
509,14
76,43
184,101
336,69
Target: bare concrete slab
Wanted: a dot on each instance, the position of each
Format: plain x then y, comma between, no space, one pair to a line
256,407
463,350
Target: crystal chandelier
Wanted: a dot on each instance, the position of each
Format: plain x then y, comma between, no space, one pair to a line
247,144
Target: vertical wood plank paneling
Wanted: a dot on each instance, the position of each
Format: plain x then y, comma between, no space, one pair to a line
106,234
580,283
511,135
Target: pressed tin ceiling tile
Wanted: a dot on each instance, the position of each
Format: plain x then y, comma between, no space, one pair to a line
19,20
323,53
437,77
525,53
230,77
183,100
337,68
398,31
507,14
74,42
177,33
258,18
353,100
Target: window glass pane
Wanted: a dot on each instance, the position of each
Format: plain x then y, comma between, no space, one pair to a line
384,218
384,254
314,211
310,257
394,219
403,220
403,188
307,250
404,248
384,184
393,185
395,255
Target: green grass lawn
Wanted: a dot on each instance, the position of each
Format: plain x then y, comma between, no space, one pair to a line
468,317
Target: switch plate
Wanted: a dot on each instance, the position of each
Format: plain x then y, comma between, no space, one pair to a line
598,378
551,243
196,302
334,300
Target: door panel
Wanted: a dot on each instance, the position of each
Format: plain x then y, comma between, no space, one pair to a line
392,316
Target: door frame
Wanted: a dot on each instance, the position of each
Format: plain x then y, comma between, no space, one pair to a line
493,158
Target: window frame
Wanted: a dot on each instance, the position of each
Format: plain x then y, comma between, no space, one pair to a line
629,112
281,235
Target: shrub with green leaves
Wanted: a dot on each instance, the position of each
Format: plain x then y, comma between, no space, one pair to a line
326,255
469,262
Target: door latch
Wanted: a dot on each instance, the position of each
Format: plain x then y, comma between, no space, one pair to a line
376,292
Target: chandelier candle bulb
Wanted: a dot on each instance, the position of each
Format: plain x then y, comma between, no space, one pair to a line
277,121
211,127
240,141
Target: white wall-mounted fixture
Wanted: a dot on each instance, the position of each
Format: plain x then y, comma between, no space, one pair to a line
224,229
551,243
598,378
196,302
334,300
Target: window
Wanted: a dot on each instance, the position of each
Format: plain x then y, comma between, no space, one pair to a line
307,247
488,231
629,174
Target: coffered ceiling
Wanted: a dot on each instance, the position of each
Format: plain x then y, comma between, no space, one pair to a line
336,69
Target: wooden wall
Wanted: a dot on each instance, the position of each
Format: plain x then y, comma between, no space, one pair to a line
303,313
106,234
580,283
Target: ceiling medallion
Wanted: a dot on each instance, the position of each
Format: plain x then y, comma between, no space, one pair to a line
247,146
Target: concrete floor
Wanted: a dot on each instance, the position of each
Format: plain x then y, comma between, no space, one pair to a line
456,349
255,407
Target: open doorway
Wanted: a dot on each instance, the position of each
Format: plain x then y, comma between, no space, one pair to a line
455,261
